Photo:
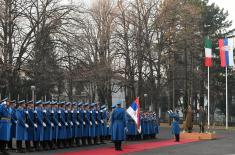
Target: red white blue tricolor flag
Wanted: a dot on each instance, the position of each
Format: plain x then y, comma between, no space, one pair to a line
134,112
226,52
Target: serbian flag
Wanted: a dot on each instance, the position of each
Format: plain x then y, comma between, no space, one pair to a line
208,52
226,52
134,112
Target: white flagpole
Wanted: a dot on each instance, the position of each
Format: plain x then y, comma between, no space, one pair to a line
208,97
226,97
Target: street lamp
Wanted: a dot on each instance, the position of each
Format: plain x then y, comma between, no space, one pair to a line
145,99
33,88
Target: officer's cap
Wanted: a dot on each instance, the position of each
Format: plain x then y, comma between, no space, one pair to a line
103,106
5,99
68,103
114,106
80,104
46,102
86,104
119,102
30,102
21,102
13,101
38,102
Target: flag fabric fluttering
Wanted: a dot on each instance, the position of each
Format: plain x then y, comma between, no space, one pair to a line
208,52
134,112
226,52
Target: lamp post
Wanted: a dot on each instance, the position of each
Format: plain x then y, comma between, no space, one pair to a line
33,88
145,100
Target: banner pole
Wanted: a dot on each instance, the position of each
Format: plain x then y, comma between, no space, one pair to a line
208,96
226,97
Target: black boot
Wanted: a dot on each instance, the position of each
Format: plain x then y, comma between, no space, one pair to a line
27,145
3,147
116,145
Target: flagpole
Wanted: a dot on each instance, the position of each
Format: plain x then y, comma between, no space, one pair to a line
208,96
226,97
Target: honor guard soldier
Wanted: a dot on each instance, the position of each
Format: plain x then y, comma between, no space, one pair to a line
47,126
175,124
21,126
39,125
13,123
61,125
91,116
54,121
132,131
109,122
86,124
29,114
76,124
67,124
102,124
118,122
5,124
79,123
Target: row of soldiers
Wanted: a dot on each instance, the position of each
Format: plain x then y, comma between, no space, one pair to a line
149,126
50,125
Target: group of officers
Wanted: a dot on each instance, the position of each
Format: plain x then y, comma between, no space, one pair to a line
50,125
149,126
46,125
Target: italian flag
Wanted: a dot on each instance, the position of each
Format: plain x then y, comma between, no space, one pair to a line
208,52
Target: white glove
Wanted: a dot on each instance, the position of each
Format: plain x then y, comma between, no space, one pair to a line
52,111
44,111
59,112
96,122
35,111
35,125
77,112
84,123
71,123
44,124
90,123
102,121
126,129
52,124
26,125
77,123
27,112
91,112
59,124
97,112
15,122
84,111
66,124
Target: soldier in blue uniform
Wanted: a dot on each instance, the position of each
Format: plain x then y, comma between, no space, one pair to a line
61,125
47,127
39,125
109,121
67,124
13,123
118,125
5,124
92,125
29,114
21,126
54,124
131,126
103,123
175,124
79,122
86,123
